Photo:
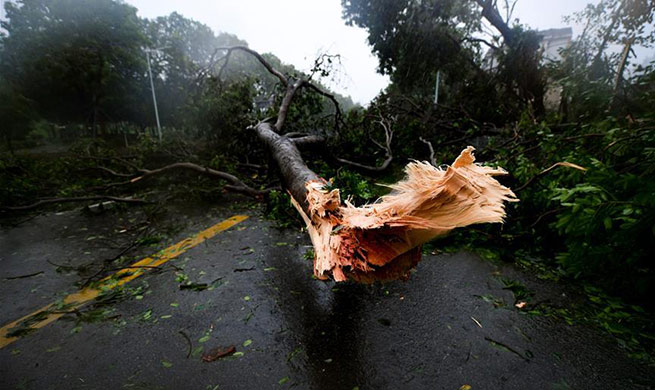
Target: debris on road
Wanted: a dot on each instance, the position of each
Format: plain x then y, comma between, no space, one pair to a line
218,352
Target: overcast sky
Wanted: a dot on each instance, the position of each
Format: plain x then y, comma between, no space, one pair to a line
297,30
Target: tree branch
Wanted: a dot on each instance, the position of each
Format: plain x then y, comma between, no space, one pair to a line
286,102
490,12
388,135
235,185
75,199
308,140
283,79
338,114
432,160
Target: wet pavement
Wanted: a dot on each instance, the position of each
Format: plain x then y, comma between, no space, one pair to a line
439,330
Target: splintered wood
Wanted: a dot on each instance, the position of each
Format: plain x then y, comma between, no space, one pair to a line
382,241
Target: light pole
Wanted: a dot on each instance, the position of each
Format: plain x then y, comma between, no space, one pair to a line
154,97
436,88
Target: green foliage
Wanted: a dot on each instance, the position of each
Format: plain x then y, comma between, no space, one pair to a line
279,209
224,113
358,188
77,60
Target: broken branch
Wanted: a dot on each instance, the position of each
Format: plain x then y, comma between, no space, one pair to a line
235,185
432,160
388,136
74,199
545,171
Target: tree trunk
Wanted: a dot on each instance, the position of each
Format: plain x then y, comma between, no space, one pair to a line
383,241
293,169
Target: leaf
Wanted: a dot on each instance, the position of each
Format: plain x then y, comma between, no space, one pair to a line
219,352
465,387
247,343
246,298
197,351
608,223
283,380
166,364
204,339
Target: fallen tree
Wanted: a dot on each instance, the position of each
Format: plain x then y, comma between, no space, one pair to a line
379,241
383,240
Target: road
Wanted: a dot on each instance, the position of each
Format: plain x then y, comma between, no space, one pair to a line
254,290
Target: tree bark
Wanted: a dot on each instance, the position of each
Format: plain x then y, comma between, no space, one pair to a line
293,169
490,12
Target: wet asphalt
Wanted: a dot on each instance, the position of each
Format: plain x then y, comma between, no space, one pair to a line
434,331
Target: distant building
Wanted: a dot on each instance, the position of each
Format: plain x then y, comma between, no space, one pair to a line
553,41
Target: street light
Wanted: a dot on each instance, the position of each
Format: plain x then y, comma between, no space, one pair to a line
152,88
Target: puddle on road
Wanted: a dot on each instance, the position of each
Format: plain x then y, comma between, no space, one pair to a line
323,320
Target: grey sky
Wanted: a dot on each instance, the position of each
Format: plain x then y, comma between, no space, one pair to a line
297,30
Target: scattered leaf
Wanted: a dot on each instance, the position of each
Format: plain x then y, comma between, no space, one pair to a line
219,352
283,380
166,364
247,343
197,351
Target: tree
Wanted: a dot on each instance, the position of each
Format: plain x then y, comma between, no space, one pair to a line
182,54
593,67
414,39
78,61
16,113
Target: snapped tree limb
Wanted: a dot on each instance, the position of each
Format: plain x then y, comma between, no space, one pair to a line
383,240
388,137
43,202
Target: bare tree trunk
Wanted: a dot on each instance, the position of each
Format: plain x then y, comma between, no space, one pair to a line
293,169
621,67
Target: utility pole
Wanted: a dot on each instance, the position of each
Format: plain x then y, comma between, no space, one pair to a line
154,98
436,88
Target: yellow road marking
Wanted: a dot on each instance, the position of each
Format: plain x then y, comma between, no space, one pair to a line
82,297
